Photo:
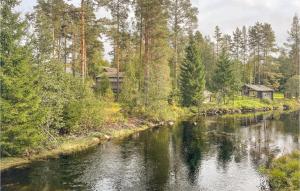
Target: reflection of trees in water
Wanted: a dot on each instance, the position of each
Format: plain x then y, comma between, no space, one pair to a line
46,175
194,144
225,135
291,125
261,151
156,158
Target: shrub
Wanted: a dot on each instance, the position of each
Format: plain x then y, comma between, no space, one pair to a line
266,101
284,172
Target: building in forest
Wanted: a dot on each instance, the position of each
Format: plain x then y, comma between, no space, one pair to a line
112,75
258,91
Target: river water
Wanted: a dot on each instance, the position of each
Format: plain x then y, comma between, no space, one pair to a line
214,154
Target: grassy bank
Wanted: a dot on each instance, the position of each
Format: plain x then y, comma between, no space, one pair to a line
115,124
70,145
247,104
108,123
284,172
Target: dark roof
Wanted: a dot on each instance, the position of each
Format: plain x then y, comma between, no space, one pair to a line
259,88
111,73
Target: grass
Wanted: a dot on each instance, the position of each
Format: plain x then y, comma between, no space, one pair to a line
278,95
65,148
254,103
71,145
284,172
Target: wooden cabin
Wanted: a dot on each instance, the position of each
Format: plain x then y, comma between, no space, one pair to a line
258,91
112,75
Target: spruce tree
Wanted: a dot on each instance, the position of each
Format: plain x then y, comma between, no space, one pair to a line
224,77
20,104
192,76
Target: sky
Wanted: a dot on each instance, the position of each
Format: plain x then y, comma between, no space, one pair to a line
229,14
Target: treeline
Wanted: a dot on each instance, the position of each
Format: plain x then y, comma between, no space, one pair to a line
50,58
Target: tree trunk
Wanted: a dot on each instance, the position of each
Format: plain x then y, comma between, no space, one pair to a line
117,50
82,44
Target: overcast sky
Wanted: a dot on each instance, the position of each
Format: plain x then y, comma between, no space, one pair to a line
229,14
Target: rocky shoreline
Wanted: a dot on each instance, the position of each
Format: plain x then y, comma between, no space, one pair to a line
223,111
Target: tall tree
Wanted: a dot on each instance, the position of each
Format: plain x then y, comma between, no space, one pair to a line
226,44
182,17
206,48
21,113
192,76
218,38
224,79
119,12
155,55
237,43
244,53
294,45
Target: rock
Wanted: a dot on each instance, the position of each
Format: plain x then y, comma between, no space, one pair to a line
161,123
170,123
95,139
107,137
286,107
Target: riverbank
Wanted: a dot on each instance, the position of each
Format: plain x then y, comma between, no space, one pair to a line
284,172
73,144
247,105
113,130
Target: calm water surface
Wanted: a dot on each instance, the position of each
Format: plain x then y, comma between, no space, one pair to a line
220,153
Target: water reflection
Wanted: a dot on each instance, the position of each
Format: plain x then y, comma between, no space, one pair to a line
220,153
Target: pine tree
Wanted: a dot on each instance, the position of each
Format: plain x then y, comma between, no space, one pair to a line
21,113
244,54
155,52
182,20
294,45
119,11
218,38
207,56
224,82
192,76
236,43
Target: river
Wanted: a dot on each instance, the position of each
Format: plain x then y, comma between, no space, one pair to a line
213,154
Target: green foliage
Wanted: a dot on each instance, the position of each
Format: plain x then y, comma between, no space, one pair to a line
292,86
192,76
130,95
21,113
284,172
103,86
226,83
266,101
207,56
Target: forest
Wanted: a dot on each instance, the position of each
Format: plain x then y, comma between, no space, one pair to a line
50,59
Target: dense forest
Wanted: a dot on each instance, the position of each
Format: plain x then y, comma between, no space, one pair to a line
51,57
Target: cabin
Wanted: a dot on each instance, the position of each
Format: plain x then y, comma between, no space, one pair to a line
112,74
257,91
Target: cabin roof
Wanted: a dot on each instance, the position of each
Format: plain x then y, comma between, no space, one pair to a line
111,73
259,88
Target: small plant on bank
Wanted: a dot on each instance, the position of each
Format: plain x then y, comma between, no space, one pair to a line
284,173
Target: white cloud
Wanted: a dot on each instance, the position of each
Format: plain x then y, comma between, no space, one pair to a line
230,14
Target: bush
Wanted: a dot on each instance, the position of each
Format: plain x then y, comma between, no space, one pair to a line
266,101
284,172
